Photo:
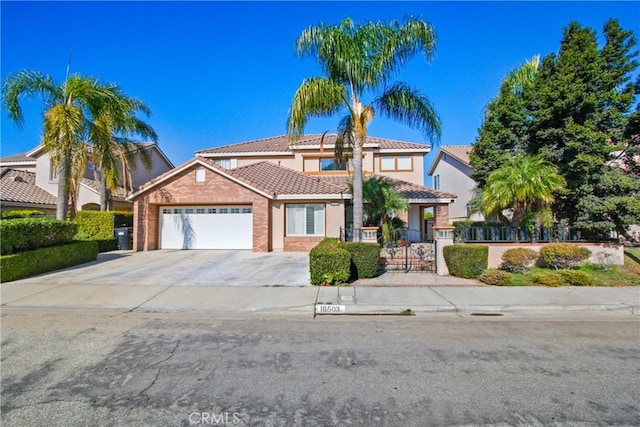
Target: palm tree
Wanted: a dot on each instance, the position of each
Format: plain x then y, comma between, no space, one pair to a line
525,185
358,61
381,201
69,107
111,150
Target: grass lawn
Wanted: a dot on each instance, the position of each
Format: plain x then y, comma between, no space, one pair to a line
587,275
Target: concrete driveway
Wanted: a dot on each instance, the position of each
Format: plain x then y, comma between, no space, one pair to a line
186,268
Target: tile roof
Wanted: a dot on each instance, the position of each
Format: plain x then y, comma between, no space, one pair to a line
278,180
283,144
17,158
407,189
20,187
460,152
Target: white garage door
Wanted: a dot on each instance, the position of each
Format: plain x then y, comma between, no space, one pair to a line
206,227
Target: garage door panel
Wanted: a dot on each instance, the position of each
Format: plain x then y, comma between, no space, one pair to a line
206,231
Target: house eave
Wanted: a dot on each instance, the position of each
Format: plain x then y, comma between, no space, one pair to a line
312,197
245,154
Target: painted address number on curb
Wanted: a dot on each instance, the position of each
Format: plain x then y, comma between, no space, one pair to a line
329,309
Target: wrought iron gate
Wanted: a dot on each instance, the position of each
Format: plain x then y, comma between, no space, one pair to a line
411,257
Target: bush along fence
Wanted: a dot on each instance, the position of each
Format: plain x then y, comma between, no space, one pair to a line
332,262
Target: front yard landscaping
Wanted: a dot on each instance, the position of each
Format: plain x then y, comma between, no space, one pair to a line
584,275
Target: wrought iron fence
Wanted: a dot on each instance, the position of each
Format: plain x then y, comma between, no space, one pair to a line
505,234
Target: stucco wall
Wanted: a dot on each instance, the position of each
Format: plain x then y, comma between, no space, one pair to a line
601,253
415,175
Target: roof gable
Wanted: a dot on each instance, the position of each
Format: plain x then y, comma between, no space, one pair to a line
458,152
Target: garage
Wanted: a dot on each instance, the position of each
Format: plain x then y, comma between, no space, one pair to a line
206,227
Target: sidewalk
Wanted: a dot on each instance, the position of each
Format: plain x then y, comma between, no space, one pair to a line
456,297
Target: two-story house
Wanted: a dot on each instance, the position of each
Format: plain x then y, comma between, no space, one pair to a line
273,194
29,181
451,171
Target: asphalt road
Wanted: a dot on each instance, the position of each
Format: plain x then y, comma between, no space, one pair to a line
101,369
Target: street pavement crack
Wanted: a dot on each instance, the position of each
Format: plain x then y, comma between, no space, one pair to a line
143,393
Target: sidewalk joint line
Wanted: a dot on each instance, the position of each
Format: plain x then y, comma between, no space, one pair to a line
150,298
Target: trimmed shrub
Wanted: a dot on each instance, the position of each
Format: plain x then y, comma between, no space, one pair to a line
576,278
518,260
105,245
563,255
21,214
550,279
365,259
467,261
26,234
30,263
329,261
96,225
496,277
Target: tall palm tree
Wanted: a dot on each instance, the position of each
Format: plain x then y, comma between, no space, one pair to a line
112,151
359,61
524,185
69,107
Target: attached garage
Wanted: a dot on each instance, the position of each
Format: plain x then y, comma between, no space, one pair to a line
206,227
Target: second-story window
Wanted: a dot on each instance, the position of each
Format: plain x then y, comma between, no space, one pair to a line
436,182
329,164
396,163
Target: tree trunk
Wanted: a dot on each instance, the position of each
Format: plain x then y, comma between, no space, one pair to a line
63,190
357,190
104,193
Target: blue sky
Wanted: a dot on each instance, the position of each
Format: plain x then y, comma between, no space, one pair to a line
217,73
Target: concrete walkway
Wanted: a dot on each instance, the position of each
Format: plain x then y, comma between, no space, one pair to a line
353,299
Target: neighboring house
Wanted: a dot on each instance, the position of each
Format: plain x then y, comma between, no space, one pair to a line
273,195
451,172
40,177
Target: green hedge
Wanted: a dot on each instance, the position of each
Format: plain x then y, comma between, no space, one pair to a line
330,263
21,214
467,261
104,245
365,259
96,225
19,235
30,263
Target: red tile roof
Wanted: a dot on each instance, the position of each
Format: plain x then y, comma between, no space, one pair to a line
407,189
20,187
283,144
279,180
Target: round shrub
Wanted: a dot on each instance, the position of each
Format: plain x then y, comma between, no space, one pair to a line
329,259
466,261
496,277
563,255
518,260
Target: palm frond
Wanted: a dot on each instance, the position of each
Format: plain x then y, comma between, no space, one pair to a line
405,104
24,84
316,97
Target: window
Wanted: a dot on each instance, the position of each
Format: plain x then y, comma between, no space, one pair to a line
199,210
166,210
227,163
211,210
305,220
246,210
235,210
329,164
436,182
223,210
396,163
200,174
53,173
177,210
188,210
